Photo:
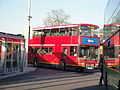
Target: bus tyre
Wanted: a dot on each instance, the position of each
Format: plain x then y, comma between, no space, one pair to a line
36,62
62,65
82,69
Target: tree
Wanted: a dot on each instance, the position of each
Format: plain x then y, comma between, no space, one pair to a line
56,17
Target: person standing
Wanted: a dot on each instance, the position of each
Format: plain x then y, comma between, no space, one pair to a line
101,69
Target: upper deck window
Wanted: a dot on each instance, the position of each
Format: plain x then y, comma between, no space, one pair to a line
46,32
110,29
64,31
38,33
84,30
54,32
87,30
73,31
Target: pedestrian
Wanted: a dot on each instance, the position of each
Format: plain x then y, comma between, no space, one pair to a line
101,63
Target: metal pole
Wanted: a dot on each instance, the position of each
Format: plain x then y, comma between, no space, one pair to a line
29,18
28,31
79,31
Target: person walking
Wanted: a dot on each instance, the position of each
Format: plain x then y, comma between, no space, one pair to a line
101,69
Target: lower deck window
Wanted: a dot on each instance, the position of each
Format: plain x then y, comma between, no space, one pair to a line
73,51
42,50
64,52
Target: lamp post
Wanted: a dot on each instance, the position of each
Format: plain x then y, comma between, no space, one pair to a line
27,35
29,18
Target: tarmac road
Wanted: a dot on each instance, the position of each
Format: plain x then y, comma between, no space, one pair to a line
51,79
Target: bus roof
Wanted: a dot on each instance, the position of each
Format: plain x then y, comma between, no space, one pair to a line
113,24
60,26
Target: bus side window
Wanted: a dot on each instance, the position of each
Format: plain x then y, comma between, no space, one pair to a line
81,52
117,53
73,51
55,32
43,51
35,50
46,51
64,52
39,51
111,51
64,32
50,50
73,31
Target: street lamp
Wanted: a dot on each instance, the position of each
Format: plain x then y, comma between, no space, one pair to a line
27,36
29,18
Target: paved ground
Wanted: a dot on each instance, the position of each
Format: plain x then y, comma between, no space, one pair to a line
26,70
51,79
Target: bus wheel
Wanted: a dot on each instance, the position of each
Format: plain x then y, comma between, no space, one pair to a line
35,61
62,65
82,69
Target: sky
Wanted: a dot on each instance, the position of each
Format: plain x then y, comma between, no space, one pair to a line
14,13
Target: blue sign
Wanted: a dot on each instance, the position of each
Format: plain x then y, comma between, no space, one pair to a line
90,41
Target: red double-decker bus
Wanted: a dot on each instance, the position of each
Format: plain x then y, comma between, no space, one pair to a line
109,42
73,45
111,48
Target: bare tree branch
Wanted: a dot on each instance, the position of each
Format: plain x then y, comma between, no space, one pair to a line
56,17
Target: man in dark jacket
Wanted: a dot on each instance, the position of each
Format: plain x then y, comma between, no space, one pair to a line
101,69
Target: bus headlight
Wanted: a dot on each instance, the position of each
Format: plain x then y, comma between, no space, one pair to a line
83,63
109,64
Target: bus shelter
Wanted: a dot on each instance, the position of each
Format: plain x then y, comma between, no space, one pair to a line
12,53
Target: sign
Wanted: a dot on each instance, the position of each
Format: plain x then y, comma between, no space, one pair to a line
91,28
90,41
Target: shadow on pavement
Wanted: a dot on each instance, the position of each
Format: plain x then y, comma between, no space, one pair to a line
95,87
49,78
